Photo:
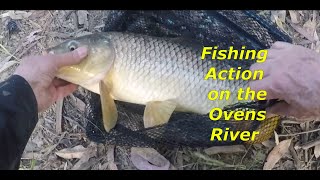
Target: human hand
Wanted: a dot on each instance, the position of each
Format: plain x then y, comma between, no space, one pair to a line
292,74
40,71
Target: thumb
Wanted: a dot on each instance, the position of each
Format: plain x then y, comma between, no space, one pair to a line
71,58
281,45
66,90
283,108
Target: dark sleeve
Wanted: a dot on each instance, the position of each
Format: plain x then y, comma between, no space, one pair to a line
18,118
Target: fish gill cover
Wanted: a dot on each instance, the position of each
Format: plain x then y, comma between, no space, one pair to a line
210,28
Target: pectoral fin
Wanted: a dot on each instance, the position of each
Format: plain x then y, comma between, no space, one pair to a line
109,109
158,112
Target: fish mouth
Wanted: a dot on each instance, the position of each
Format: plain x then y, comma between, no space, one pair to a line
48,51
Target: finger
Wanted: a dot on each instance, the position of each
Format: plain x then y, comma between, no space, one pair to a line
70,58
281,108
280,45
265,67
272,54
263,84
285,109
59,82
64,91
270,115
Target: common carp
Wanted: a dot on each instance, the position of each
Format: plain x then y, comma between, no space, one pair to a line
165,74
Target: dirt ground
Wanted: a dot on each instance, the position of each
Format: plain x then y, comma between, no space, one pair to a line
59,142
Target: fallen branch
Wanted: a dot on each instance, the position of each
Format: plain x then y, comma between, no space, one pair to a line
294,134
310,144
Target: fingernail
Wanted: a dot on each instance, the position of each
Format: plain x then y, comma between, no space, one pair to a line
82,52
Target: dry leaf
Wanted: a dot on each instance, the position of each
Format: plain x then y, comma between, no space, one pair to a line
276,137
65,166
110,157
59,35
295,17
279,18
91,151
80,104
288,165
303,125
225,149
148,159
269,144
83,33
279,23
179,162
71,153
310,26
7,65
301,13
32,155
31,147
308,30
83,18
99,26
258,156
59,105
36,14
276,154
16,14
315,36
317,151
32,37
38,139
317,49
280,15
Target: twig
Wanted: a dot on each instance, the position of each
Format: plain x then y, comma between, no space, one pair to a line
225,149
310,144
47,130
309,162
59,116
301,31
289,122
110,158
51,148
294,134
68,14
179,159
276,137
27,49
46,25
75,122
245,153
7,65
75,20
297,161
6,51
305,139
34,23
54,17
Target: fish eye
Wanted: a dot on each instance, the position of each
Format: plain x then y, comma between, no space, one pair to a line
72,47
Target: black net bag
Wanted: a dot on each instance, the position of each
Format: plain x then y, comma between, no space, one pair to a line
209,28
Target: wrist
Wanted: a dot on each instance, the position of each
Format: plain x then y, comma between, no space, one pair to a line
23,92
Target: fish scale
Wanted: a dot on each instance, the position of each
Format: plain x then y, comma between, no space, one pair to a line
152,61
